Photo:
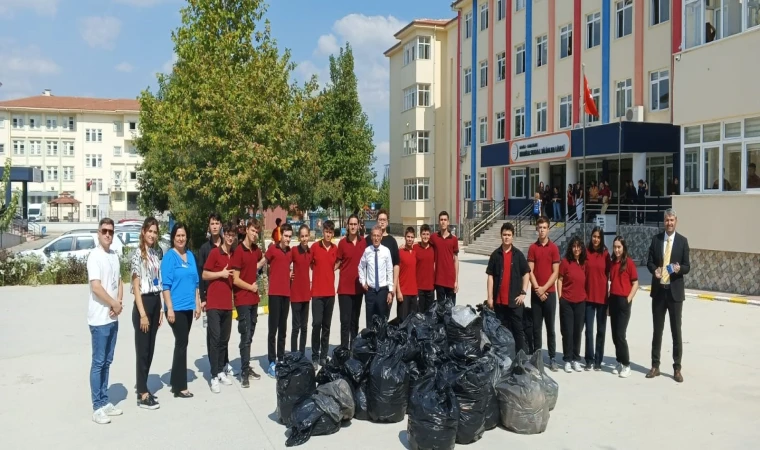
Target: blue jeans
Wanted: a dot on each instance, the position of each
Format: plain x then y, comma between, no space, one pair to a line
595,353
103,346
557,212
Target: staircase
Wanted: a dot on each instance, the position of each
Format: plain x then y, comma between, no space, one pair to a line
490,239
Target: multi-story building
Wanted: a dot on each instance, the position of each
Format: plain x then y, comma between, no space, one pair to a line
83,146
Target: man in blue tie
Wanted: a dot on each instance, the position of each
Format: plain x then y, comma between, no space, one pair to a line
376,276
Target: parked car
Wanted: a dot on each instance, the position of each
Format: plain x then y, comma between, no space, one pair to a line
78,245
131,240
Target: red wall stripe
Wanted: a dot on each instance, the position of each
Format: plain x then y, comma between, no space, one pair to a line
675,23
459,116
552,54
508,92
490,119
638,53
577,36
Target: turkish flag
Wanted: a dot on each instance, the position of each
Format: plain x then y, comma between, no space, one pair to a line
590,104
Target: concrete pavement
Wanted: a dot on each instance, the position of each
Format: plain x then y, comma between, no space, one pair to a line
45,357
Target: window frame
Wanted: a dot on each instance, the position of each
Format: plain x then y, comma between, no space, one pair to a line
658,7
518,130
519,5
482,185
596,94
520,59
623,17
501,126
483,130
594,25
467,130
542,50
626,91
501,66
566,102
468,25
483,17
467,80
467,183
541,117
424,91
483,71
515,175
656,79
501,10
566,41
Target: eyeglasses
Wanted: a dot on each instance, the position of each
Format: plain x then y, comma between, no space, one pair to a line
106,231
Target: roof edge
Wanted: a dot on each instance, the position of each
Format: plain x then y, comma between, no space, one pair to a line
443,23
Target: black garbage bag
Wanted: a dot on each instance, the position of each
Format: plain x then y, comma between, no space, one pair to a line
354,371
463,327
492,414
471,389
295,383
440,310
502,340
365,346
339,391
464,353
528,330
388,387
522,400
360,402
433,415
334,369
552,387
322,413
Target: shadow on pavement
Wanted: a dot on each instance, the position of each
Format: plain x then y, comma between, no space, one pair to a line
167,377
403,437
117,393
155,383
203,367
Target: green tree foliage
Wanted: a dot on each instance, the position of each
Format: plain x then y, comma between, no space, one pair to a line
7,211
384,194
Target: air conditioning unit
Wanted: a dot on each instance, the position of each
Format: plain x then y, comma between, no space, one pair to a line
635,114
463,151
117,182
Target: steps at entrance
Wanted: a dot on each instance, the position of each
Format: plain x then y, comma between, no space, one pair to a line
490,239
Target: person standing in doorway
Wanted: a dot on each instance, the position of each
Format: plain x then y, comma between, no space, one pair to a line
537,208
389,242
597,271
606,194
146,314
641,199
350,250
623,287
668,261
542,210
376,276
446,247
556,200
323,264
571,289
570,202
543,260
104,307
300,291
406,295
425,255
279,258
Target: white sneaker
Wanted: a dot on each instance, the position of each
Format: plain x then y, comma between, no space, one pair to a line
228,370
577,366
111,410
100,417
223,379
626,372
568,367
215,386
617,369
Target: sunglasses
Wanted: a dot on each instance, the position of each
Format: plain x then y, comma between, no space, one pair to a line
106,231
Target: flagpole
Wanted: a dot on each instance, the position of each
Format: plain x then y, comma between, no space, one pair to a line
583,173
620,166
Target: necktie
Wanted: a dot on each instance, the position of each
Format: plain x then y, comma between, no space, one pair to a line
377,271
665,261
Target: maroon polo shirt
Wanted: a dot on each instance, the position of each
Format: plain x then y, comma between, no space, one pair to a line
323,266
506,279
573,281
219,292
300,289
597,268
445,250
622,283
279,270
425,266
246,261
349,255
543,257
407,271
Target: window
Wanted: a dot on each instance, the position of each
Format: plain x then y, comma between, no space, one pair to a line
468,25
732,167
532,181
132,126
623,97
62,245
660,11
34,123
52,123
482,185
519,122
520,59
541,117
624,18
68,173
133,176
752,13
416,189
467,133
17,122
593,30
519,4
409,98
484,16
94,184
659,174
423,50
501,66
659,83
2,149
423,95
566,111
118,127
467,187
51,174
68,148
18,148
690,179
566,41
483,74
85,243
93,135
711,164
93,161
501,9
517,183
501,124
2,121
732,130
69,123
483,129
753,157
542,51
52,148
409,52
423,142
117,151
596,94
416,142
468,80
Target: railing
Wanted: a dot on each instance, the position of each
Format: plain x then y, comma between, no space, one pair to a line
478,227
478,209
522,217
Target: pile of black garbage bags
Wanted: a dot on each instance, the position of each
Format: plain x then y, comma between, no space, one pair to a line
452,371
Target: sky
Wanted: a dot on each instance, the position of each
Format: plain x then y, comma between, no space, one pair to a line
114,48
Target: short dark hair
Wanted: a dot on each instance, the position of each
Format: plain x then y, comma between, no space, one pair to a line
507,226
443,213
328,225
253,222
383,211
303,227
277,221
542,219
569,250
752,166
286,227
410,230
215,216
106,221
230,227
178,226
425,228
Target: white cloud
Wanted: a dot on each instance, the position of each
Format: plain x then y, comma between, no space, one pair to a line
382,157
23,69
100,31
168,66
327,44
42,7
124,67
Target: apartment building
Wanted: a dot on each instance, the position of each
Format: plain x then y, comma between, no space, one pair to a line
83,146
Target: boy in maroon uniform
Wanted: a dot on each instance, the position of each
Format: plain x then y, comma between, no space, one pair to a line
446,260
425,255
406,293
350,250
324,256
279,259
300,290
543,260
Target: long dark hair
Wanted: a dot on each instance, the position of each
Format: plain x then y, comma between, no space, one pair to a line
602,247
569,251
179,226
624,256
143,245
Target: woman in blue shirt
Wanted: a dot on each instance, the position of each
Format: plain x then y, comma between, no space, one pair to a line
182,302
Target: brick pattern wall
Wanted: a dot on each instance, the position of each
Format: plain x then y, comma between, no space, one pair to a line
736,273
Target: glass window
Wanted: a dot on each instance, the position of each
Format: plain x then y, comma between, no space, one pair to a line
623,97
694,23
533,180
482,185
660,11
732,167
624,18
483,74
500,126
423,92
484,16
468,80
593,30
753,160
566,41
85,243
596,94
732,17
691,135
752,127
542,50
660,90
467,133
541,117
468,25
423,44
732,130
519,122
753,14
62,245
483,130
467,187
501,66
566,111
691,170
711,132
517,183
501,9
519,4
520,59
711,164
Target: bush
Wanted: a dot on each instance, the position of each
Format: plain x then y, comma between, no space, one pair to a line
18,270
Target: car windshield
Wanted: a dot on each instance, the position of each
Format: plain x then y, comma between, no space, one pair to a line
34,211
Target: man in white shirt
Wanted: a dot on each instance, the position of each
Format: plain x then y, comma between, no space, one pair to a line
105,305
376,276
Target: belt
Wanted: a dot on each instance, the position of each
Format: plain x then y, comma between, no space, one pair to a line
381,288
149,293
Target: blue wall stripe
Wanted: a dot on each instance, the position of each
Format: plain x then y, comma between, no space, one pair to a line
475,126
606,35
528,67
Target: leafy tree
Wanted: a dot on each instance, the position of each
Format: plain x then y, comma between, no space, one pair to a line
7,211
384,194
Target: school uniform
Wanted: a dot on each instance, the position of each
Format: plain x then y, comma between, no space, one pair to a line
323,298
246,260
425,270
300,297
446,248
350,292
407,281
621,283
572,308
279,260
597,270
508,269
543,257
219,304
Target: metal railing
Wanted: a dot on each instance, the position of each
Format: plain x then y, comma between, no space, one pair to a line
479,209
478,227
522,218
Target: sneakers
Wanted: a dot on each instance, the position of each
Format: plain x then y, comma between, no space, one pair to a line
272,372
244,382
553,366
625,372
224,379
577,366
228,370
568,367
111,410
253,374
597,367
316,366
617,369
588,366
215,385
100,417
149,402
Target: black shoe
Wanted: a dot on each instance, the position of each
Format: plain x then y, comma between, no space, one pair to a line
323,362
316,365
253,374
588,366
553,366
244,381
148,403
597,367
183,395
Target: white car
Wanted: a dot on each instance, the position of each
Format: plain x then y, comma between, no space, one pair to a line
131,240
78,245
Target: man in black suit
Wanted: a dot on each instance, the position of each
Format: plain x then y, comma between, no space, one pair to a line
668,261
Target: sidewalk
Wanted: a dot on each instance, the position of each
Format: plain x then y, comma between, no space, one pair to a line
717,296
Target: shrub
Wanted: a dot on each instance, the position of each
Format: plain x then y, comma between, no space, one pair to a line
16,270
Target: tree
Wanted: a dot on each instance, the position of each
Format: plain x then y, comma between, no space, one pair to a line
384,194
7,211
225,128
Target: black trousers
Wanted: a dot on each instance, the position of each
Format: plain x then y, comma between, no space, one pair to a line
321,310
300,326
661,303
218,337
442,292
248,316
407,307
620,314
226,351
571,319
279,308
426,300
376,304
512,319
350,309
595,353
544,312
183,321
145,343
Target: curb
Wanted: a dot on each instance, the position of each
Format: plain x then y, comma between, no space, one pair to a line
715,298
263,310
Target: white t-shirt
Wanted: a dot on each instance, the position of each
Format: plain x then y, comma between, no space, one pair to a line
103,266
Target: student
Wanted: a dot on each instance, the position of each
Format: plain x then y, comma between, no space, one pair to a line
446,247
571,289
597,271
388,242
406,292
146,314
217,270
536,208
214,240
570,202
105,305
376,276
277,232
300,291
543,260
350,250
508,284
324,256
279,259
246,261
623,287
557,209
425,255
182,302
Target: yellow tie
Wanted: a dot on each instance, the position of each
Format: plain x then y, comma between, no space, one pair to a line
665,261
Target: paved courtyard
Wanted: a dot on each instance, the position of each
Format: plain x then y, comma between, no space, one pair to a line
45,357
